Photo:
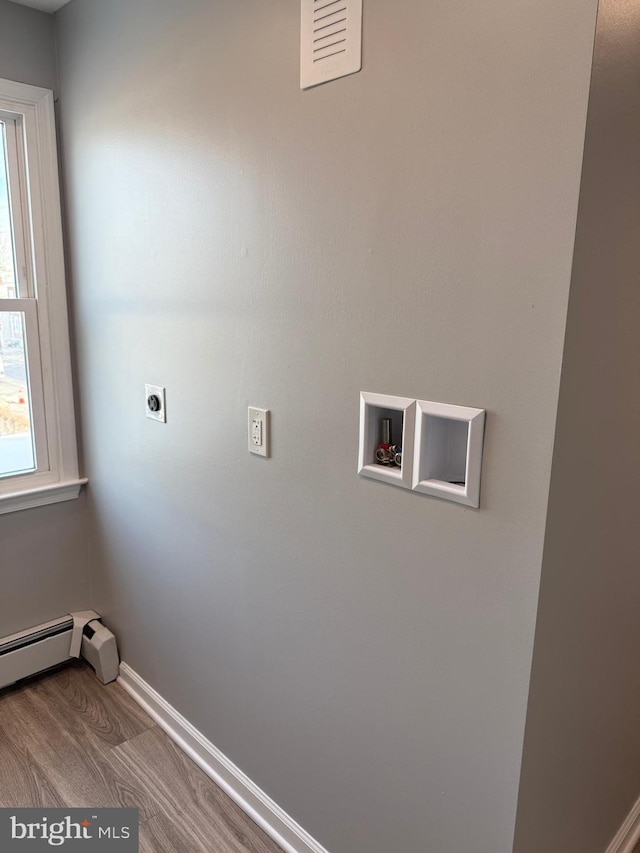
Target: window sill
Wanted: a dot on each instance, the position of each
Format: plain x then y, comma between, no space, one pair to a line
27,499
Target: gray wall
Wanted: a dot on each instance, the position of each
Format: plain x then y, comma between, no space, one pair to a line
43,562
27,45
363,653
43,552
581,767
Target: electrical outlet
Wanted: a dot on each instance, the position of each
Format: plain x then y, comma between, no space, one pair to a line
256,432
154,396
259,431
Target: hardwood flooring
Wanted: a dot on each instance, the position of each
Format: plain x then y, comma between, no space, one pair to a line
67,740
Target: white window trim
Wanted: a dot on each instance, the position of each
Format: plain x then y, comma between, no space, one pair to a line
61,481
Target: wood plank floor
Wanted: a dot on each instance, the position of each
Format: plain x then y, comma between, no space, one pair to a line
67,740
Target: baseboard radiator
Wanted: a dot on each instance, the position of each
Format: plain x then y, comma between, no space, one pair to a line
79,634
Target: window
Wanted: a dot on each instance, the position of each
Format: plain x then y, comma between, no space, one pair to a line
38,456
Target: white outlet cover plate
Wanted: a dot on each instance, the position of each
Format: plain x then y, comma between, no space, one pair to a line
159,391
259,429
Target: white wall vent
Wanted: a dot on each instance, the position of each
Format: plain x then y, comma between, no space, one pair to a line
330,40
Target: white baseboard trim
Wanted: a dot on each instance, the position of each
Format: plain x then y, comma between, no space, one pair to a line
251,799
628,835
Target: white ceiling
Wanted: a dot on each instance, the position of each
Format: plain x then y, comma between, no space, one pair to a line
43,5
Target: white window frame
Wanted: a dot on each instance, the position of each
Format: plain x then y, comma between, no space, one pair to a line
41,296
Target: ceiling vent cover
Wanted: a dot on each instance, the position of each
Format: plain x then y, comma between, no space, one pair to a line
330,40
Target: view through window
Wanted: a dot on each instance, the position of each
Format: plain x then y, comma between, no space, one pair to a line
17,454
